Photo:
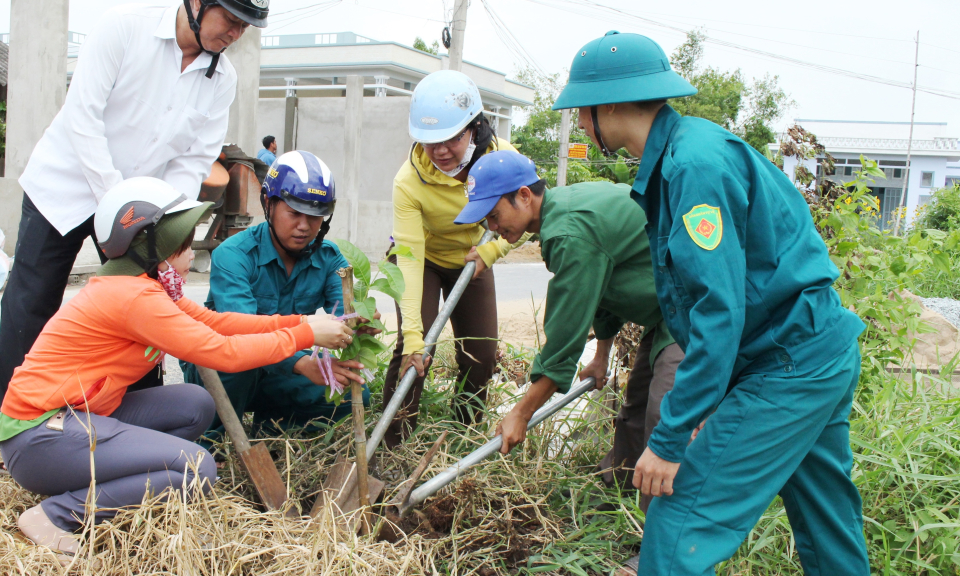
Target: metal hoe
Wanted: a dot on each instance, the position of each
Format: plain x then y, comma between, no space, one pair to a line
431,341
411,498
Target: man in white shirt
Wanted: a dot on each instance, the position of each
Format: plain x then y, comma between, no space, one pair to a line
150,96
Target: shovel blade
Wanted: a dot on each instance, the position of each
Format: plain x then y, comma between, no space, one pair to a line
266,479
340,487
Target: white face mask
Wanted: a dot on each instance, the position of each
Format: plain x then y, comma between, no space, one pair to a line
463,161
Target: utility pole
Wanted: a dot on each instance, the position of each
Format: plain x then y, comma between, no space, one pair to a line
564,147
913,109
456,35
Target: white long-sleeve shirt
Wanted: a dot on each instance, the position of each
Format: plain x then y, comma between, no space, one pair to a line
130,111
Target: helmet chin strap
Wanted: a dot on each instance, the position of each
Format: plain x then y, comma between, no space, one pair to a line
195,26
596,132
295,254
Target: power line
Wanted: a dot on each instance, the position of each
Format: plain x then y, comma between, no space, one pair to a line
566,5
940,47
510,41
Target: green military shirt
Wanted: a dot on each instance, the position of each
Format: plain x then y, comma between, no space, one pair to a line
592,238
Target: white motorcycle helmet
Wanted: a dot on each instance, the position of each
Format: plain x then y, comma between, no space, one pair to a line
134,207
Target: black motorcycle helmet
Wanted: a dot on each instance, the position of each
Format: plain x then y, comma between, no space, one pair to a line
253,12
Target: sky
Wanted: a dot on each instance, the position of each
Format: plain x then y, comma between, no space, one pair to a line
867,38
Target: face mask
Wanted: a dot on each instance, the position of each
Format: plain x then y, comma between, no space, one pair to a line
172,282
463,161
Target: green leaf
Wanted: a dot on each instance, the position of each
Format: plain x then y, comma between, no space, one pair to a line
351,351
363,308
356,258
372,342
382,285
368,357
401,250
394,277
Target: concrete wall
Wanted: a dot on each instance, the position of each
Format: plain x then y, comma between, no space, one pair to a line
11,197
37,72
242,125
384,147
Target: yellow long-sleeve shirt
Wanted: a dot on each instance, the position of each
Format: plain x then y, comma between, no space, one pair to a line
425,203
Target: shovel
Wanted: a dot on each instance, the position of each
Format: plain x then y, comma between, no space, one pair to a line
349,485
342,479
409,498
255,458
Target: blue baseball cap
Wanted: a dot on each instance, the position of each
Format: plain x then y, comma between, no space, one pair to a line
494,175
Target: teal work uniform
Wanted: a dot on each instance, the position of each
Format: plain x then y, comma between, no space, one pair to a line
745,285
248,276
603,275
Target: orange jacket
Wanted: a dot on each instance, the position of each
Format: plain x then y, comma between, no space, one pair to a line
113,332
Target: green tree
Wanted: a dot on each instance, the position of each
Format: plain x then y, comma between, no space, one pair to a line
539,138
725,98
421,45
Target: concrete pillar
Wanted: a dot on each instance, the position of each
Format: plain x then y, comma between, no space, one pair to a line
352,142
244,54
290,118
381,81
495,120
36,77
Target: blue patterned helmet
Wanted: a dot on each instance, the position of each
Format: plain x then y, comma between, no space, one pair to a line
303,181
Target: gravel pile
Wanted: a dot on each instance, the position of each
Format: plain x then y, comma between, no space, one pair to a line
949,309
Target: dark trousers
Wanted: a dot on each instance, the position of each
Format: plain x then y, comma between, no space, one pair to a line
41,267
474,323
639,414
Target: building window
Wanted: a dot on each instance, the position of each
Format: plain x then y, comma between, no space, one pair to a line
926,179
848,171
325,39
924,199
898,172
952,181
269,40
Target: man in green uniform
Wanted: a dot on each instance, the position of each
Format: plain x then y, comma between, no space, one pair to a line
746,287
603,276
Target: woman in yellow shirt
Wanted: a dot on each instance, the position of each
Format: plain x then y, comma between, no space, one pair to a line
450,133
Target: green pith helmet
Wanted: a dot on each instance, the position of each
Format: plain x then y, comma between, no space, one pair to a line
621,68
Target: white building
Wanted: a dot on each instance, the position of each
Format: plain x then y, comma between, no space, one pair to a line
935,157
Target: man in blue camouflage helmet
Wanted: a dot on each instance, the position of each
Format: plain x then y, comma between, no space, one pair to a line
284,266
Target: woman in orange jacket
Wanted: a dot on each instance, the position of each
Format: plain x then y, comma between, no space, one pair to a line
71,388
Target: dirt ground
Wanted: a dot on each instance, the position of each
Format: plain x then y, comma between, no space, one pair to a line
529,252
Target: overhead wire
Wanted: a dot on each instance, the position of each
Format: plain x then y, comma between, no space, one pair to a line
314,9
572,5
510,41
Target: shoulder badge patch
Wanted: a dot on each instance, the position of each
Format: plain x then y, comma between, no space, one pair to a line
704,226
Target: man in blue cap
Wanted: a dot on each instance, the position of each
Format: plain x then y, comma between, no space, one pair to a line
603,277
745,285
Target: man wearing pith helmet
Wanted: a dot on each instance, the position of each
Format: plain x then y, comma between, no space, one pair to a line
745,285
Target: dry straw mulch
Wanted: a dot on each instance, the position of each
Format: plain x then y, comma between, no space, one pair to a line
490,522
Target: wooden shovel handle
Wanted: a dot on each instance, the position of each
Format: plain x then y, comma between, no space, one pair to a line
356,395
211,381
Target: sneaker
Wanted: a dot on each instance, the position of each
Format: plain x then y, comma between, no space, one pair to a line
629,568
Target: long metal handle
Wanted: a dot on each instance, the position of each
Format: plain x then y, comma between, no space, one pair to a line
430,342
431,486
